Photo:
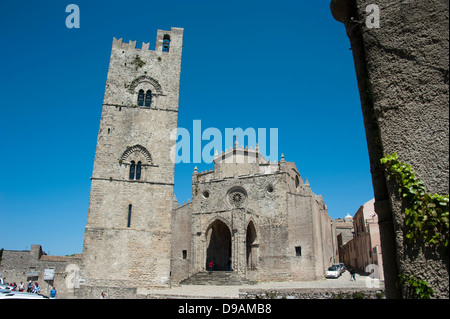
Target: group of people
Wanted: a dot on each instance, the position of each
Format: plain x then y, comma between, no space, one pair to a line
34,288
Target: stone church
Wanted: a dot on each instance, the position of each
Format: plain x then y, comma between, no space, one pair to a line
256,219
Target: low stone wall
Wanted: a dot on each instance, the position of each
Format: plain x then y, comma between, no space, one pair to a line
317,293
90,292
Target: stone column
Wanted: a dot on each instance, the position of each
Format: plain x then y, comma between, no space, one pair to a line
402,71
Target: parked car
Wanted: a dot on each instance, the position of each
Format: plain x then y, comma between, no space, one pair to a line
333,272
339,267
6,287
8,294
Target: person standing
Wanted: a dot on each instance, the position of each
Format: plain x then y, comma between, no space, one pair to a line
30,286
211,266
53,293
352,274
36,289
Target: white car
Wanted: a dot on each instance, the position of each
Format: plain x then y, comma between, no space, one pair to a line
339,267
333,272
6,287
8,294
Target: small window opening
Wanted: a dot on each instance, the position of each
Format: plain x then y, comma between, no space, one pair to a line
141,98
129,215
138,170
132,169
166,43
148,98
184,254
298,251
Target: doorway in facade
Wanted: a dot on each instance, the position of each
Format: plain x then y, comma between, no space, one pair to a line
251,246
218,238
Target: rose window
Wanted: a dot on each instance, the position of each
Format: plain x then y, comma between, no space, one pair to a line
237,197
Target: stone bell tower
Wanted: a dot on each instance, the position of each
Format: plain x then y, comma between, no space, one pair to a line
127,240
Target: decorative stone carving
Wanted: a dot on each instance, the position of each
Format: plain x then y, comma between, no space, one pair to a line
136,148
237,196
144,78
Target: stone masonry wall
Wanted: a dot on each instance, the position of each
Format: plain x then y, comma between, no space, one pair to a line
402,69
128,231
17,266
292,236
317,293
181,243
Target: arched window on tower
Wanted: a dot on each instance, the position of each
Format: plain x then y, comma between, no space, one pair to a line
166,43
141,98
132,169
136,160
148,98
138,170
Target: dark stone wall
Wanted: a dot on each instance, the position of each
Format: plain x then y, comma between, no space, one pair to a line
402,71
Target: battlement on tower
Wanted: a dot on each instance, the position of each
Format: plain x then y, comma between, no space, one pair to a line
161,36
118,43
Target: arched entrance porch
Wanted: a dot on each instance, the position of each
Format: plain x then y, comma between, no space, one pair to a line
218,243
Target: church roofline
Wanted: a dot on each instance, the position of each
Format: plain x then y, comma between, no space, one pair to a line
241,150
240,177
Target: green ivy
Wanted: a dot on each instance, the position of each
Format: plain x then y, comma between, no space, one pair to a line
415,288
426,215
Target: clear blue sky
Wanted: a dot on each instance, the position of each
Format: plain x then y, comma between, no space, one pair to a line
261,64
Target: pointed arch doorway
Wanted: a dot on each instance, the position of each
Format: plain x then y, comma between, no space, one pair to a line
251,246
218,238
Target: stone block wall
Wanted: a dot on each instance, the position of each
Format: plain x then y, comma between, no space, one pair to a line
181,243
25,265
128,232
402,70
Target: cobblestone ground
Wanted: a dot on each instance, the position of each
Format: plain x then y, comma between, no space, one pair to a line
203,291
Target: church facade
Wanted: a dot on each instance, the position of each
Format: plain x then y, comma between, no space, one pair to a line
255,218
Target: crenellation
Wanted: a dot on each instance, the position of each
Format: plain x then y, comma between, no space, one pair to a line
117,43
131,45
